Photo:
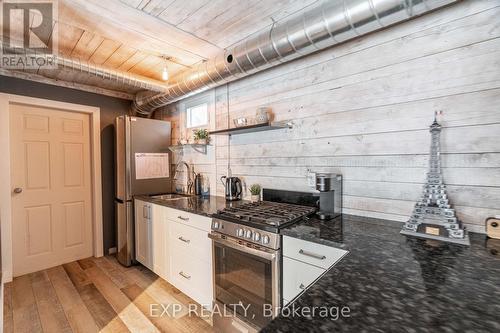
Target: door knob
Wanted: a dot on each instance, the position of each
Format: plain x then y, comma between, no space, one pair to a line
18,190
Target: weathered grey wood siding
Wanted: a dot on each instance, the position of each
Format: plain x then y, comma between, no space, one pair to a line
363,109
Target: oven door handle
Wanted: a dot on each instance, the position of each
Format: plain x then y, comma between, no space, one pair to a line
246,249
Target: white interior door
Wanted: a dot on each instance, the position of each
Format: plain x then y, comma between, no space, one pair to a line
51,198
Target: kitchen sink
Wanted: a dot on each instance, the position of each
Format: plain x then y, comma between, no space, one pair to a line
171,196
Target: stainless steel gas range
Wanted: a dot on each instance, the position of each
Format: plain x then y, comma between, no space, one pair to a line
247,263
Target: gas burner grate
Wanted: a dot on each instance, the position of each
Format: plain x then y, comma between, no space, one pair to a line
266,212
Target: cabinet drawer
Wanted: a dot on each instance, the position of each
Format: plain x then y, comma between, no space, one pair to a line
311,253
186,239
193,277
297,277
196,221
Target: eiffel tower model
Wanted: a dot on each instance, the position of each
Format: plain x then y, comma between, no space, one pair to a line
433,217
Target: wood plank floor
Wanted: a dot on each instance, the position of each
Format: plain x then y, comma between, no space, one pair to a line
97,295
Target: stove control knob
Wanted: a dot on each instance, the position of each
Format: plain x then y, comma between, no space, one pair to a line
265,239
248,234
240,232
256,237
216,225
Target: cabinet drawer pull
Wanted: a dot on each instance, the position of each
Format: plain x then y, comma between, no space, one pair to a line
312,255
184,240
183,218
184,275
302,286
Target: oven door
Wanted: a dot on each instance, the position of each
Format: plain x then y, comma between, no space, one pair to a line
246,279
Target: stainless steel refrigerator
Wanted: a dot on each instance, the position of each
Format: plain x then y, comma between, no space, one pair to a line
142,168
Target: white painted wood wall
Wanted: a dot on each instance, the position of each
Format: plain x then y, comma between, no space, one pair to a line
363,109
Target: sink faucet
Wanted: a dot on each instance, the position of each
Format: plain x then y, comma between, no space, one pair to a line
189,181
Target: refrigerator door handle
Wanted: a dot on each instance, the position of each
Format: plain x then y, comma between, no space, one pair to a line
120,180
128,159
146,212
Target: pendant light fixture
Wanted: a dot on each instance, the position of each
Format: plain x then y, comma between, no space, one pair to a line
164,73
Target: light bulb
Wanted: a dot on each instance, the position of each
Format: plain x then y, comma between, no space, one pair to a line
164,74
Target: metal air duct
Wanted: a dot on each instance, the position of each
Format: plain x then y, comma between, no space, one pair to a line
91,69
317,27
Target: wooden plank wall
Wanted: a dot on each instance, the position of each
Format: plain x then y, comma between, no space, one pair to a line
363,109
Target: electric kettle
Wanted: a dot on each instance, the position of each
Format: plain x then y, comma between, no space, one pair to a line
233,188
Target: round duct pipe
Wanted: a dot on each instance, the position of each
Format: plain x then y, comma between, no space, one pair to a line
323,25
91,69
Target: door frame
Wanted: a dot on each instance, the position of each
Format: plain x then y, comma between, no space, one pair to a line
5,173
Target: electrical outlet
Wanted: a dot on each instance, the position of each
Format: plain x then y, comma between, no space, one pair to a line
311,178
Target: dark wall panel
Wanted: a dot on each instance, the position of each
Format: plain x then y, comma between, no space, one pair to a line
110,108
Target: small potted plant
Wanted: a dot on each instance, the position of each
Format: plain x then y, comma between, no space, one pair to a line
255,191
200,136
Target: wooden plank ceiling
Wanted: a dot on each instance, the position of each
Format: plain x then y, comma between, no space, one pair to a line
136,35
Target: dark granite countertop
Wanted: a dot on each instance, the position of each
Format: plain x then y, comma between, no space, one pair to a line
206,206
389,282
392,283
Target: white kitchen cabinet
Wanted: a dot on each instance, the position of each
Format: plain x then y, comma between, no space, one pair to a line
297,276
312,253
191,258
143,233
160,255
190,240
303,263
193,276
175,245
151,238
193,220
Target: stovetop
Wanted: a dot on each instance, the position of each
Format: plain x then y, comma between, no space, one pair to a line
265,215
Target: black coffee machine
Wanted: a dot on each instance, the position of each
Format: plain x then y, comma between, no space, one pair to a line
233,187
330,195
